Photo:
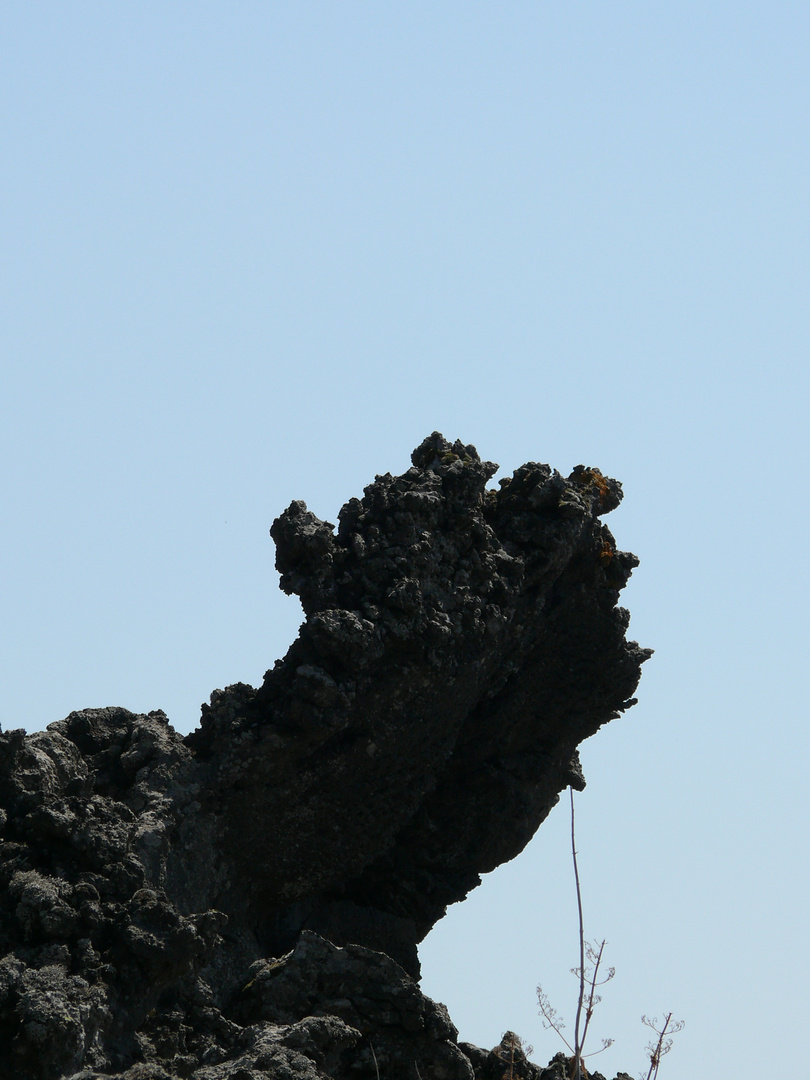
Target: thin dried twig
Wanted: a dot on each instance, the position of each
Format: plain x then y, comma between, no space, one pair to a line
663,1045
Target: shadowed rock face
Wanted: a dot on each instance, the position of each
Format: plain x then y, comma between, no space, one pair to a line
459,643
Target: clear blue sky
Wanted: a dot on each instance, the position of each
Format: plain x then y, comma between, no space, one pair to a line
253,252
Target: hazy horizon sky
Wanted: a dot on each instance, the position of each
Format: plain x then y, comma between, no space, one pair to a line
257,252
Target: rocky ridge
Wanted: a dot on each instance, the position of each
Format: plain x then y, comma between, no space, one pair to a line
247,901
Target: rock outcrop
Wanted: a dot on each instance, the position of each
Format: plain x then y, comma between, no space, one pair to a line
247,901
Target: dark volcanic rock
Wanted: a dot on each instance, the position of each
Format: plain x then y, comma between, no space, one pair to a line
247,901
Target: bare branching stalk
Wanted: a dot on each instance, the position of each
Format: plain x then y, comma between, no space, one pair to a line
511,1046
663,1045
595,957
588,977
588,999
577,1040
550,1017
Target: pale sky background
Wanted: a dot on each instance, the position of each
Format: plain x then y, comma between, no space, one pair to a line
253,252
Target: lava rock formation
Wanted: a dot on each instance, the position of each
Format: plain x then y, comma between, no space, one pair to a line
247,901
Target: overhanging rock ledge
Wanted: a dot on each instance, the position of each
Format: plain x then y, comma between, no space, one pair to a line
234,903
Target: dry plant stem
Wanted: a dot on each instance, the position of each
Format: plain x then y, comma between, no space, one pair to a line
376,1066
593,953
577,1041
593,999
515,1044
655,1056
662,1047
550,1018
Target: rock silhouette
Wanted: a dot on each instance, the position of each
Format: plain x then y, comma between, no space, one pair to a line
247,901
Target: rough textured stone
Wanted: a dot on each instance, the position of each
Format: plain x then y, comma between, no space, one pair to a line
247,901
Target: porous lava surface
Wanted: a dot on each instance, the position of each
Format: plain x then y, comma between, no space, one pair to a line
247,901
